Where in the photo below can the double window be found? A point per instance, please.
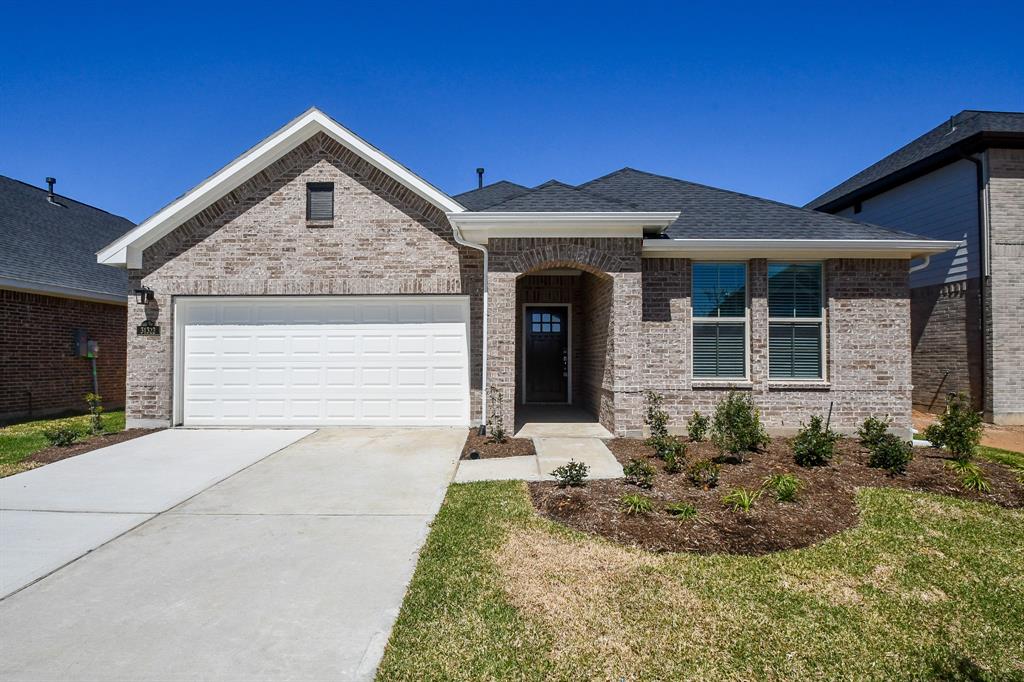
(719, 301)
(796, 321)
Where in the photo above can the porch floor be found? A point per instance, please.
(559, 421)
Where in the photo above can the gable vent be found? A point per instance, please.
(320, 201)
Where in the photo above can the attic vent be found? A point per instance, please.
(320, 201)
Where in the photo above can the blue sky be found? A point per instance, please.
(131, 105)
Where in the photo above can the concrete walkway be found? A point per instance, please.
(294, 568)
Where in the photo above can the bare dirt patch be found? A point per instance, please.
(488, 449)
(824, 506)
(55, 453)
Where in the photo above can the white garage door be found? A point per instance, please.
(311, 361)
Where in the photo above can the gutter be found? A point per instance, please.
(483, 341)
(983, 271)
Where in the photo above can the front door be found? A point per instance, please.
(546, 355)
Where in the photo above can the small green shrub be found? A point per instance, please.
(655, 416)
(814, 444)
(958, 429)
(639, 473)
(670, 449)
(737, 427)
(95, 402)
(675, 460)
(572, 475)
(697, 427)
(741, 499)
(891, 452)
(872, 430)
(495, 417)
(785, 486)
(63, 435)
(704, 473)
(635, 504)
(681, 510)
(971, 477)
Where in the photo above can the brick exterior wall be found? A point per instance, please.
(1005, 329)
(597, 391)
(40, 374)
(945, 331)
(255, 241)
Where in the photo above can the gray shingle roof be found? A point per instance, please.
(704, 212)
(958, 131)
(52, 245)
(479, 199)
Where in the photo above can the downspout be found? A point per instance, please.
(982, 264)
(483, 341)
(921, 266)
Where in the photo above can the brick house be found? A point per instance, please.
(316, 281)
(963, 180)
(53, 297)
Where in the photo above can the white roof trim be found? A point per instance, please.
(127, 250)
(479, 226)
(794, 248)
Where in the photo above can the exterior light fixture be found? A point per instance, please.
(143, 296)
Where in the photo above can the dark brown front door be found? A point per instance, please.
(547, 354)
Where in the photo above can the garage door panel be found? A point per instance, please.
(326, 361)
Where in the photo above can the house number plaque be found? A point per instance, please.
(148, 328)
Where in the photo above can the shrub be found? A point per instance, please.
(814, 444)
(741, 499)
(495, 416)
(970, 475)
(704, 473)
(655, 417)
(675, 459)
(63, 435)
(681, 510)
(639, 473)
(635, 504)
(785, 486)
(572, 474)
(670, 449)
(891, 452)
(697, 427)
(958, 429)
(95, 402)
(872, 431)
(737, 425)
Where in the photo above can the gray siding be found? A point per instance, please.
(942, 205)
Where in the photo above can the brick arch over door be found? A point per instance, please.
(594, 255)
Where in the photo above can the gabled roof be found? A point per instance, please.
(49, 248)
(965, 133)
(127, 251)
(479, 199)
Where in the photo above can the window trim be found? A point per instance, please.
(318, 187)
(745, 321)
(821, 320)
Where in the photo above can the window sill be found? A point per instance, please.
(721, 383)
(319, 223)
(799, 385)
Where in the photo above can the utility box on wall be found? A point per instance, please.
(83, 347)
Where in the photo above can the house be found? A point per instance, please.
(316, 281)
(54, 300)
(962, 180)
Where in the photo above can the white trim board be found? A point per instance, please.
(126, 251)
(789, 249)
(480, 226)
(58, 291)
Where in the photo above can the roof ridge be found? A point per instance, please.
(67, 198)
(490, 184)
(564, 185)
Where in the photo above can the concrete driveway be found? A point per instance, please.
(293, 568)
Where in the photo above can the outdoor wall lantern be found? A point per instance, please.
(143, 296)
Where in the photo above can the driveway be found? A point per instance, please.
(293, 568)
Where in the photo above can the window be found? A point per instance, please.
(546, 323)
(719, 302)
(796, 320)
(320, 201)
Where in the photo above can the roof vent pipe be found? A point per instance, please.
(479, 178)
(50, 182)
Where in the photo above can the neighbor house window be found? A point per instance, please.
(796, 321)
(320, 201)
(719, 302)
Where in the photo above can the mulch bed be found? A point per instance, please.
(56, 453)
(488, 449)
(824, 506)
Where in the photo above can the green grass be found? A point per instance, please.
(21, 440)
(925, 587)
(1007, 457)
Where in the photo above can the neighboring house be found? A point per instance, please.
(315, 281)
(54, 299)
(963, 180)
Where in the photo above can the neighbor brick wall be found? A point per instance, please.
(255, 241)
(1005, 332)
(38, 373)
(946, 343)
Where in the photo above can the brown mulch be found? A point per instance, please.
(824, 506)
(56, 453)
(512, 447)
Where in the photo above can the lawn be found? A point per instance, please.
(22, 440)
(925, 587)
